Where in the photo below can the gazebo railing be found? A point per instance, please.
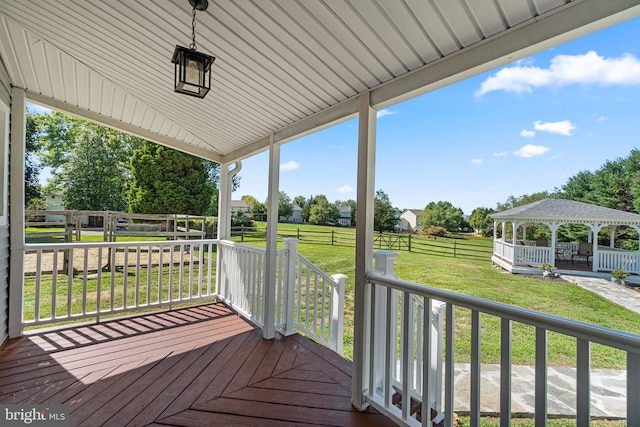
(612, 259)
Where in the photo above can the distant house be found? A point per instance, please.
(53, 202)
(409, 219)
(296, 216)
(239, 206)
(345, 215)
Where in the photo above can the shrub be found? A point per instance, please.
(436, 231)
(619, 274)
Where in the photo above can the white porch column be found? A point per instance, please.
(364, 245)
(224, 199)
(554, 241)
(16, 210)
(269, 330)
(612, 237)
(595, 264)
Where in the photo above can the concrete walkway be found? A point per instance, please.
(618, 294)
(608, 387)
(608, 391)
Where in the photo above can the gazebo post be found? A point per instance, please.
(612, 237)
(554, 237)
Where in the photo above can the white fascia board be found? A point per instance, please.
(100, 119)
(328, 117)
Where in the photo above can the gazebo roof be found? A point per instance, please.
(283, 68)
(567, 211)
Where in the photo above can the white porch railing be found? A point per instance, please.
(378, 385)
(307, 299)
(70, 281)
(611, 259)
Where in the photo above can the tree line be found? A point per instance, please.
(97, 168)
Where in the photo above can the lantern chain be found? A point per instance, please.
(193, 30)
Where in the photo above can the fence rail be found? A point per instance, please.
(387, 241)
(69, 281)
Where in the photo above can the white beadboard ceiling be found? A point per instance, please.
(283, 67)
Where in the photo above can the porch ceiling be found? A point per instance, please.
(283, 67)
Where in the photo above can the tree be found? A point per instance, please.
(442, 214)
(384, 214)
(92, 179)
(481, 220)
(285, 207)
(89, 163)
(306, 209)
(300, 201)
(168, 181)
(322, 212)
(32, 188)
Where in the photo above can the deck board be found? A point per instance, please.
(192, 366)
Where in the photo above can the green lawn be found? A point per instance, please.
(480, 279)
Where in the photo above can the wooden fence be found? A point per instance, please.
(388, 241)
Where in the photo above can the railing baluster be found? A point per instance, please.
(583, 385)
(541, 378)
(200, 267)
(505, 372)
(160, 271)
(54, 285)
(85, 271)
(137, 296)
(475, 369)
(181, 279)
(125, 277)
(209, 267)
(449, 366)
(633, 389)
(406, 396)
(112, 270)
(98, 285)
(427, 398)
(375, 335)
(36, 309)
(149, 268)
(70, 283)
(389, 347)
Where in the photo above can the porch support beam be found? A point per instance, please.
(269, 330)
(364, 244)
(224, 199)
(16, 210)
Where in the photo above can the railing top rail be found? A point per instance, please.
(73, 245)
(243, 246)
(610, 337)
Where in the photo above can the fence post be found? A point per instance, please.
(290, 245)
(409, 244)
(337, 312)
(332, 236)
(242, 233)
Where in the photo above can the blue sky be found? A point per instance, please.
(515, 130)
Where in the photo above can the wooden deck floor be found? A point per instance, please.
(189, 367)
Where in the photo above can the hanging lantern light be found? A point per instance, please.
(192, 75)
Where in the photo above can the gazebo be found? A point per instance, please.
(517, 254)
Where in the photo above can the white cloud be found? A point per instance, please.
(289, 166)
(477, 161)
(530, 150)
(527, 133)
(501, 154)
(589, 68)
(563, 128)
(603, 118)
(384, 112)
(345, 189)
